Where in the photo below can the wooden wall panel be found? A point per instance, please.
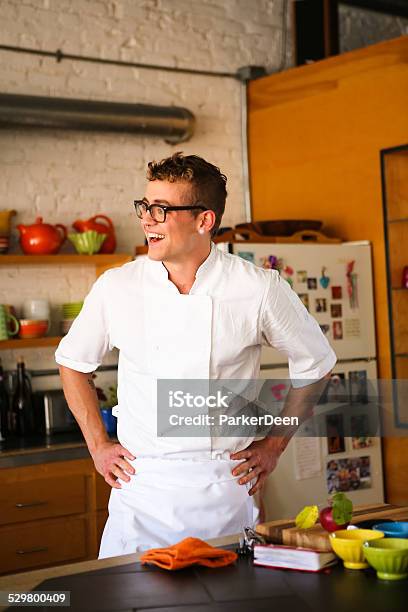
(402, 367)
(398, 239)
(396, 167)
(396, 453)
(400, 316)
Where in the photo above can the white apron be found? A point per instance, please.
(169, 499)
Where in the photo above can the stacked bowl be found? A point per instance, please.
(5, 229)
(348, 545)
(393, 529)
(70, 311)
(389, 557)
(4, 244)
(33, 328)
(360, 548)
(36, 317)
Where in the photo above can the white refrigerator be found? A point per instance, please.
(334, 281)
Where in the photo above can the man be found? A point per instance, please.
(187, 311)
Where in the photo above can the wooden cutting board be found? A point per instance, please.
(285, 532)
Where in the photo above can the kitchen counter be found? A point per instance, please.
(17, 452)
(28, 581)
(121, 583)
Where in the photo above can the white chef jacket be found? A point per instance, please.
(214, 332)
(184, 486)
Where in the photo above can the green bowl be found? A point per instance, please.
(87, 243)
(72, 308)
(70, 314)
(389, 556)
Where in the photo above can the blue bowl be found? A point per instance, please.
(109, 420)
(396, 529)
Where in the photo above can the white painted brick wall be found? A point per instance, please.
(68, 175)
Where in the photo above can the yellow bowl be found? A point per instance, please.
(348, 545)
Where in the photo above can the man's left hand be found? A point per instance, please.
(260, 459)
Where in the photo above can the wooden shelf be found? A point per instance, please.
(64, 259)
(101, 262)
(399, 288)
(21, 343)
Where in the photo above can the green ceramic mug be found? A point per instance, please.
(6, 318)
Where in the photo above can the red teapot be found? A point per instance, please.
(109, 244)
(42, 238)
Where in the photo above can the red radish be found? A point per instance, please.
(337, 515)
(327, 521)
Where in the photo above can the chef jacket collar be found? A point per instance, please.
(162, 274)
(207, 263)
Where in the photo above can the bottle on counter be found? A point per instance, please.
(4, 405)
(21, 415)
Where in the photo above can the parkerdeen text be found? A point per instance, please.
(223, 419)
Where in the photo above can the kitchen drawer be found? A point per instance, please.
(42, 543)
(103, 491)
(28, 500)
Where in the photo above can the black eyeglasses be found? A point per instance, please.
(158, 212)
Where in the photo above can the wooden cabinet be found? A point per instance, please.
(41, 543)
(51, 513)
(54, 512)
(102, 491)
(39, 498)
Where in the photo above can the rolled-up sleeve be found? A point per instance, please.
(87, 341)
(287, 326)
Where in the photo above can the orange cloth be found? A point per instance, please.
(189, 551)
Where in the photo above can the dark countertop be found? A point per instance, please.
(16, 452)
(239, 587)
(120, 584)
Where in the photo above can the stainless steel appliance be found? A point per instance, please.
(52, 414)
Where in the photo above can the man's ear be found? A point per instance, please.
(207, 220)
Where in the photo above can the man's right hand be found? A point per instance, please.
(110, 462)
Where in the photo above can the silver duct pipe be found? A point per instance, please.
(173, 123)
(245, 158)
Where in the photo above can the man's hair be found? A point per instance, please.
(207, 183)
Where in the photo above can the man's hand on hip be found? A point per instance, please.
(260, 459)
(110, 461)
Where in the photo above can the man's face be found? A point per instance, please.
(179, 230)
